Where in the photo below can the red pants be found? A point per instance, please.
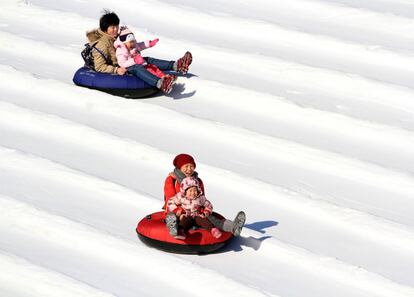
(154, 70)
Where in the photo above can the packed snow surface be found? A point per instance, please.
(300, 113)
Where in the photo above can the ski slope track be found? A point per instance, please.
(299, 113)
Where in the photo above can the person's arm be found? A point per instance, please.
(201, 186)
(124, 60)
(169, 187)
(174, 205)
(146, 44)
(207, 207)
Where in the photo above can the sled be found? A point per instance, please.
(127, 86)
(153, 231)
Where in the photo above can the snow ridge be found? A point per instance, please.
(300, 113)
(38, 281)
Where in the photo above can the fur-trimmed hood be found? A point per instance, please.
(96, 34)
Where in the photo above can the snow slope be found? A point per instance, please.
(300, 113)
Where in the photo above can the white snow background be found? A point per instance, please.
(299, 112)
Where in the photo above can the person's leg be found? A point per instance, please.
(155, 70)
(223, 224)
(203, 222)
(186, 223)
(206, 224)
(234, 227)
(161, 64)
(144, 74)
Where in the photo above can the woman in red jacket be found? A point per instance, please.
(184, 166)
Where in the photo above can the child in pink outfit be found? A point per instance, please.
(128, 54)
(191, 208)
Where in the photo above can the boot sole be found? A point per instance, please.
(168, 89)
(187, 60)
(239, 223)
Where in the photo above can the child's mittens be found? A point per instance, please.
(153, 42)
(138, 59)
(204, 214)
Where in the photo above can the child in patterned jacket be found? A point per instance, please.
(191, 208)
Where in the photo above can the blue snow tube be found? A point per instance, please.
(127, 86)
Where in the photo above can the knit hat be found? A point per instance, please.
(189, 182)
(183, 159)
(126, 35)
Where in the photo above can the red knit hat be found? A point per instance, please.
(183, 159)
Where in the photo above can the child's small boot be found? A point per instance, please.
(165, 84)
(172, 225)
(183, 63)
(215, 232)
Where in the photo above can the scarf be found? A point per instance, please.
(180, 175)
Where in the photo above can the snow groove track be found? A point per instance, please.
(63, 180)
(309, 165)
(268, 111)
(401, 8)
(275, 41)
(38, 281)
(322, 18)
(62, 233)
(301, 113)
(324, 89)
(59, 147)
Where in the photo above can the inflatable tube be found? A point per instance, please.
(127, 86)
(153, 232)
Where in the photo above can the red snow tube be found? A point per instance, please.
(153, 232)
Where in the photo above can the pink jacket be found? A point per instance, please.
(190, 207)
(125, 57)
